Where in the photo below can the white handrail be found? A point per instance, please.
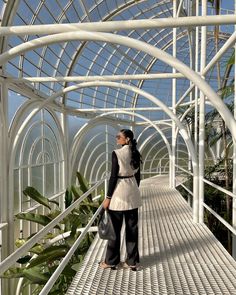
(232, 229)
(191, 193)
(12, 258)
(46, 289)
(220, 188)
(188, 172)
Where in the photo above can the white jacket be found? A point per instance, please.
(126, 195)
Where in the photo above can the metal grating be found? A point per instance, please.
(177, 255)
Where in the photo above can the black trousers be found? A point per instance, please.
(131, 235)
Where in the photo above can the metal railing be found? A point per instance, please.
(12, 258)
(213, 212)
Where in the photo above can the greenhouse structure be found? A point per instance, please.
(73, 74)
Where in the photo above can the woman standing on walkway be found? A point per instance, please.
(123, 199)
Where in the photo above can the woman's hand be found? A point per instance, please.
(106, 203)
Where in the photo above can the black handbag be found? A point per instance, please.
(105, 226)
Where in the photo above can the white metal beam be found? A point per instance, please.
(96, 78)
(112, 26)
(111, 38)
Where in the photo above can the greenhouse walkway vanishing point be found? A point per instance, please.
(178, 256)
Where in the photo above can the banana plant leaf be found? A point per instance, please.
(37, 249)
(13, 272)
(231, 60)
(36, 276)
(83, 182)
(76, 266)
(54, 202)
(54, 214)
(68, 198)
(75, 224)
(35, 195)
(49, 255)
(24, 259)
(84, 186)
(38, 218)
(77, 192)
(68, 271)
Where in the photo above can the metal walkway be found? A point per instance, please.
(178, 256)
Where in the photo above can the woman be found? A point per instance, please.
(123, 199)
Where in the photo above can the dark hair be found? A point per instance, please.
(135, 154)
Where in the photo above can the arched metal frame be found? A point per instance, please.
(172, 61)
(98, 118)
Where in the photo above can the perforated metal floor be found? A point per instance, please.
(178, 256)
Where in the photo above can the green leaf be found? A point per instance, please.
(13, 272)
(35, 195)
(54, 202)
(35, 275)
(76, 192)
(84, 185)
(38, 218)
(231, 60)
(49, 255)
(53, 214)
(24, 259)
(75, 223)
(37, 249)
(77, 266)
(69, 271)
(68, 198)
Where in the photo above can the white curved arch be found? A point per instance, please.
(139, 45)
(85, 149)
(94, 121)
(95, 162)
(149, 138)
(90, 156)
(79, 136)
(146, 156)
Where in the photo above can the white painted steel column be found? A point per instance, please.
(234, 163)
(202, 119)
(196, 88)
(66, 163)
(173, 140)
(7, 197)
(107, 160)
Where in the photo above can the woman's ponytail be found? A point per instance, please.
(135, 155)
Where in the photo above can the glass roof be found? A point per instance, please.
(98, 58)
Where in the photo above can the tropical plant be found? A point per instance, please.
(44, 257)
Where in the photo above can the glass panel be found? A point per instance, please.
(49, 179)
(37, 178)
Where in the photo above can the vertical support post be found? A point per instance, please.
(65, 181)
(234, 162)
(202, 118)
(107, 160)
(173, 150)
(196, 92)
(6, 195)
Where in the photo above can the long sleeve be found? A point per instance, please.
(137, 176)
(114, 175)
